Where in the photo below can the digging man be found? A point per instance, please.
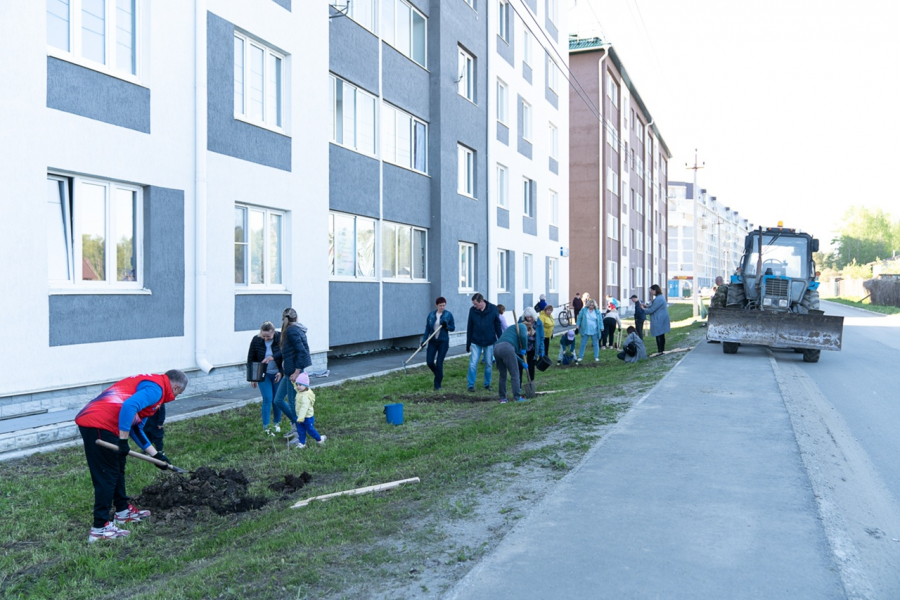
(113, 416)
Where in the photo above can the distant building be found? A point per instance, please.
(716, 245)
(618, 170)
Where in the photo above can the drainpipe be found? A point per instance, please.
(200, 226)
(602, 241)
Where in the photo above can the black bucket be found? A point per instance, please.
(256, 371)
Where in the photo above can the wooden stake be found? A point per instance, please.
(358, 491)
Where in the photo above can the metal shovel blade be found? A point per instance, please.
(775, 329)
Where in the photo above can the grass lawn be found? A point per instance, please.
(866, 304)
(464, 447)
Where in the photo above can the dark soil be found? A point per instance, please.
(448, 397)
(291, 483)
(223, 492)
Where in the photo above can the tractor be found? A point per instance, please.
(773, 298)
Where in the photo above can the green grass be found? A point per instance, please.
(326, 549)
(867, 305)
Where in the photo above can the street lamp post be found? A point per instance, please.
(695, 291)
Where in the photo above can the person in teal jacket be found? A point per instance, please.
(510, 351)
(590, 324)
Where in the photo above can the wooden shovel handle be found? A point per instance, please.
(149, 459)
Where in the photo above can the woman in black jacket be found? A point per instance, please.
(295, 357)
(266, 348)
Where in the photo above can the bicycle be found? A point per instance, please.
(566, 317)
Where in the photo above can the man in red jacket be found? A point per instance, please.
(113, 416)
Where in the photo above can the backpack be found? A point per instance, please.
(631, 349)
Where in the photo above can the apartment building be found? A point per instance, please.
(166, 165)
(618, 172)
(709, 249)
(528, 147)
(408, 199)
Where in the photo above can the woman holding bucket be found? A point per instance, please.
(437, 327)
(265, 348)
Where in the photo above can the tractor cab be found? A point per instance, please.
(777, 268)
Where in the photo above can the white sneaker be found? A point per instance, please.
(278, 429)
(295, 443)
(268, 432)
(131, 515)
(107, 532)
(321, 442)
(596, 360)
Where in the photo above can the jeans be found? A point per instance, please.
(305, 426)
(153, 430)
(288, 407)
(596, 343)
(435, 358)
(508, 362)
(267, 389)
(474, 357)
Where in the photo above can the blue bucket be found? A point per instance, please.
(394, 414)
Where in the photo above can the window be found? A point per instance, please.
(640, 204)
(404, 139)
(631, 240)
(503, 21)
(639, 240)
(612, 89)
(403, 251)
(554, 208)
(361, 11)
(258, 240)
(552, 75)
(465, 83)
(554, 142)
(632, 279)
(502, 102)
(466, 267)
(633, 205)
(257, 82)
(649, 244)
(528, 197)
(527, 272)
(612, 180)
(552, 275)
(625, 239)
(612, 272)
(466, 182)
(94, 233)
(526, 120)
(639, 282)
(502, 270)
(612, 225)
(404, 28)
(502, 186)
(526, 46)
(351, 246)
(99, 33)
(352, 116)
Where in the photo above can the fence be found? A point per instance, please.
(844, 288)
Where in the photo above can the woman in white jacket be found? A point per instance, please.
(610, 321)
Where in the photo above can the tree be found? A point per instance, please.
(866, 236)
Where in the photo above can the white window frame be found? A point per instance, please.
(553, 10)
(640, 204)
(612, 89)
(411, 230)
(502, 271)
(465, 85)
(357, 91)
(612, 272)
(625, 239)
(554, 208)
(471, 3)
(356, 276)
(502, 186)
(75, 40)
(248, 258)
(391, 115)
(271, 114)
(612, 180)
(527, 272)
(466, 262)
(639, 272)
(526, 45)
(72, 226)
(638, 240)
(554, 142)
(502, 102)
(528, 201)
(552, 275)
(503, 20)
(351, 10)
(552, 75)
(465, 184)
(390, 13)
(526, 121)
(612, 225)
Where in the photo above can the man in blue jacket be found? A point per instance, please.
(640, 316)
(482, 331)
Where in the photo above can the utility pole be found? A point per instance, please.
(695, 288)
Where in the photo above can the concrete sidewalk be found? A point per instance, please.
(698, 492)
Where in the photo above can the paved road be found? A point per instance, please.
(737, 477)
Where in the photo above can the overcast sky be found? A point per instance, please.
(792, 104)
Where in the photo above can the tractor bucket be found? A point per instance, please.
(775, 329)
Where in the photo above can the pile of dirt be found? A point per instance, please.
(223, 492)
(448, 397)
(291, 483)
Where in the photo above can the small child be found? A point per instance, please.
(567, 348)
(306, 400)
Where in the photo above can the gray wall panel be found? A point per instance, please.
(552, 299)
(406, 305)
(554, 233)
(523, 146)
(75, 89)
(528, 300)
(551, 27)
(252, 310)
(407, 196)
(284, 3)
(526, 73)
(345, 324)
(502, 218)
(85, 319)
(506, 49)
(529, 225)
(226, 135)
(532, 4)
(405, 83)
(502, 133)
(352, 182)
(554, 166)
(353, 52)
(549, 94)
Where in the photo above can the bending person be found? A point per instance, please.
(510, 352)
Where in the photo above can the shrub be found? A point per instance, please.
(885, 292)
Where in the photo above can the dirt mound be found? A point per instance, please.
(291, 483)
(223, 492)
(448, 397)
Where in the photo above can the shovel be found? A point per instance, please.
(527, 388)
(149, 459)
(419, 349)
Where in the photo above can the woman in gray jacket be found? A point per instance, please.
(658, 310)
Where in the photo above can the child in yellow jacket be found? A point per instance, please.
(306, 400)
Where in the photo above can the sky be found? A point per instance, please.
(791, 104)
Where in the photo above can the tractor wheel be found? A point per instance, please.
(730, 347)
(810, 301)
(811, 356)
(736, 295)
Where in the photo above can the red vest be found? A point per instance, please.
(103, 411)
